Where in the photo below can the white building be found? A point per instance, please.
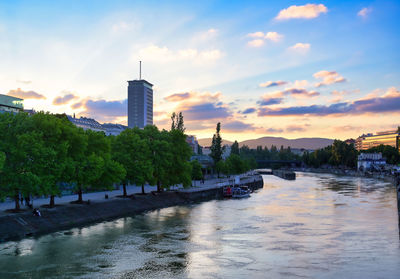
(370, 161)
(113, 129)
(86, 123)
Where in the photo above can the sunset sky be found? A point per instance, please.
(262, 68)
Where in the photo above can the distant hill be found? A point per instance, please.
(207, 142)
(306, 143)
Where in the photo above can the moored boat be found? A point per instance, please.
(239, 192)
(227, 191)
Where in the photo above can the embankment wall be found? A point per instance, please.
(16, 226)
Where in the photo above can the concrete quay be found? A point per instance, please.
(14, 226)
(285, 174)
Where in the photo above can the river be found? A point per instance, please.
(318, 226)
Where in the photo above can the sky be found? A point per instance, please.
(262, 68)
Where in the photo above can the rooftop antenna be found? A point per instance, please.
(140, 70)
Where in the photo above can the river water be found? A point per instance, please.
(318, 226)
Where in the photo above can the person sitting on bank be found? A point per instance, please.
(36, 212)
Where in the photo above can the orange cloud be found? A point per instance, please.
(301, 48)
(64, 100)
(272, 83)
(364, 12)
(178, 97)
(328, 77)
(256, 43)
(307, 11)
(260, 38)
(19, 93)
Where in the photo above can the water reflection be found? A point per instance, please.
(319, 226)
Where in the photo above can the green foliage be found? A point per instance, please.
(196, 170)
(337, 154)
(180, 168)
(39, 153)
(22, 148)
(389, 152)
(2, 160)
(216, 145)
(234, 164)
(161, 155)
(132, 151)
(235, 148)
(221, 167)
(177, 122)
(272, 154)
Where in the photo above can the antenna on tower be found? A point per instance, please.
(140, 70)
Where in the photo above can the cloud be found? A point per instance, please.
(249, 110)
(301, 93)
(347, 128)
(19, 93)
(270, 101)
(258, 34)
(256, 43)
(274, 131)
(392, 92)
(237, 126)
(103, 110)
(364, 12)
(300, 83)
(203, 106)
(301, 48)
(77, 105)
(178, 97)
(273, 36)
(277, 97)
(165, 55)
(390, 102)
(307, 11)
(295, 128)
(261, 37)
(205, 111)
(338, 95)
(64, 100)
(207, 35)
(24, 81)
(272, 83)
(328, 77)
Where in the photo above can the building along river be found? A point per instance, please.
(317, 226)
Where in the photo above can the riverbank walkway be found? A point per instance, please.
(197, 185)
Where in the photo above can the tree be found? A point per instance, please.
(391, 153)
(237, 164)
(220, 167)
(197, 174)
(161, 155)
(90, 169)
(177, 122)
(180, 169)
(2, 160)
(22, 148)
(235, 148)
(132, 150)
(216, 147)
(53, 163)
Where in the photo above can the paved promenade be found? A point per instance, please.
(99, 196)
